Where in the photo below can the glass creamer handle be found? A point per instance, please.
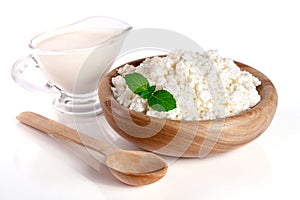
(26, 72)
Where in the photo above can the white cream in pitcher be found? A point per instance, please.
(63, 57)
(76, 39)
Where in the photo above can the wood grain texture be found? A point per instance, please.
(190, 138)
(137, 168)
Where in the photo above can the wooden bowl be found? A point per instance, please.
(190, 138)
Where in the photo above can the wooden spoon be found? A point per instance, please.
(134, 168)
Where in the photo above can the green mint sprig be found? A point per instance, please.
(160, 100)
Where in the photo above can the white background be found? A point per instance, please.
(262, 34)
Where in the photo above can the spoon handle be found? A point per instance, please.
(59, 130)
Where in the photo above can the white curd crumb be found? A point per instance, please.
(205, 85)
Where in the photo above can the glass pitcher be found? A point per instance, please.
(72, 59)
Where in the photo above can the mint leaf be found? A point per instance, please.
(148, 93)
(137, 83)
(152, 89)
(162, 100)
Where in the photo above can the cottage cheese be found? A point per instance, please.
(205, 85)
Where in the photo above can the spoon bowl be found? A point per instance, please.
(144, 168)
(134, 168)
